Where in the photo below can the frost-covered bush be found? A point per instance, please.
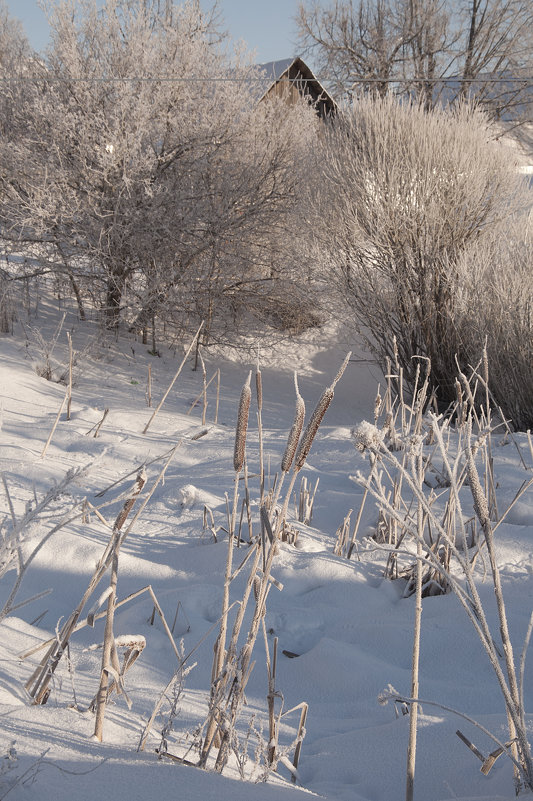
(498, 276)
(406, 193)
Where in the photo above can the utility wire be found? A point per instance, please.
(528, 80)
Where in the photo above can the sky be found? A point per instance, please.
(266, 27)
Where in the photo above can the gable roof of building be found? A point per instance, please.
(296, 72)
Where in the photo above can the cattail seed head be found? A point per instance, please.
(316, 418)
(296, 430)
(259, 388)
(480, 502)
(342, 368)
(485, 363)
(312, 427)
(242, 425)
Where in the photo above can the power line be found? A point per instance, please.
(457, 80)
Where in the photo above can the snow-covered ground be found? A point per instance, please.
(350, 629)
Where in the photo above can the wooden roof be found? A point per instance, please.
(292, 77)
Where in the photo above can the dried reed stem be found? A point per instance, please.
(220, 652)
(342, 535)
(259, 393)
(56, 421)
(242, 669)
(109, 656)
(99, 424)
(204, 388)
(516, 728)
(218, 396)
(198, 397)
(292, 442)
(271, 697)
(69, 402)
(418, 471)
(180, 368)
(300, 737)
(357, 524)
(44, 672)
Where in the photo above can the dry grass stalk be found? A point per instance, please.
(224, 666)
(209, 525)
(530, 443)
(94, 509)
(259, 394)
(273, 723)
(96, 428)
(69, 383)
(247, 504)
(200, 396)
(240, 666)
(14, 539)
(204, 388)
(418, 470)
(516, 732)
(9, 500)
(357, 524)
(133, 472)
(306, 502)
(342, 535)
(300, 737)
(109, 654)
(183, 659)
(134, 645)
(56, 421)
(289, 534)
(217, 397)
(38, 682)
(449, 538)
(241, 518)
(230, 676)
(93, 615)
(217, 680)
(180, 368)
(43, 674)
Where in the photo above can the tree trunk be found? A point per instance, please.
(115, 288)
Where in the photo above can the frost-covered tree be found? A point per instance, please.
(15, 54)
(15, 60)
(150, 173)
(428, 48)
(251, 229)
(15, 64)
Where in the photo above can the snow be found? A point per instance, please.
(351, 629)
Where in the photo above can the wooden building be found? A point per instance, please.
(291, 79)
